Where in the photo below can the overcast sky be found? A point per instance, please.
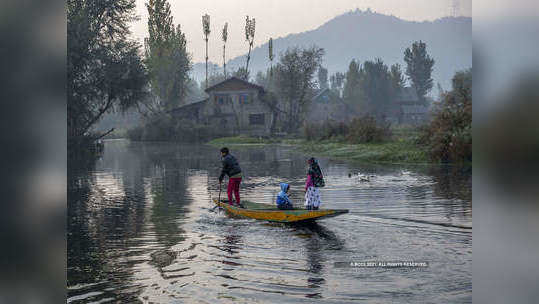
(277, 18)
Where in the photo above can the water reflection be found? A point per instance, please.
(321, 239)
(99, 216)
(140, 229)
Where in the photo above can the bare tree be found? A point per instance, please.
(337, 81)
(250, 25)
(295, 82)
(271, 55)
(272, 101)
(237, 110)
(322, 78)
(270, 98)
(225, 36)
(206, 29)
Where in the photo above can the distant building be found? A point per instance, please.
(408, 109)
(328, 105)
(192, 111)
(407, 96)
(234, 106)
(413, 114)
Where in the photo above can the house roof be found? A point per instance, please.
(416, 109)
(189, 106)
(407, 94)
(322, 92)
(348, 108)
(234, 79)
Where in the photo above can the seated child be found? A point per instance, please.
(283, 202)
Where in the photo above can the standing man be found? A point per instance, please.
(231, 167)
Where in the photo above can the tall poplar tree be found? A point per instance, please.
(167, 59)
(419, 68)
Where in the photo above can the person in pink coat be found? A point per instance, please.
(314, 181)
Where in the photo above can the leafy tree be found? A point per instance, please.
(214, 79)
(449, 134)
(167, 59)
(194, 91)
(271, 99)
(265, 80)
(261, 79)
(242, 73)
(352, 91)
(369, 88)
(294, 82)
(322, 78)
(419, 68)
(337, 81)
(397, 79)
(376, 86)
(104, 70)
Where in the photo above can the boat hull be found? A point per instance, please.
(254, 211)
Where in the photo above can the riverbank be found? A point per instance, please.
(401, 148)
(391, 152)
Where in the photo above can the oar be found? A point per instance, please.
(218, 199)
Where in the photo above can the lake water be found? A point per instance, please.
(141, 230)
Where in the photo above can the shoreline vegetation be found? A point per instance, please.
(400, 148)
(445, 138)
(110, 74)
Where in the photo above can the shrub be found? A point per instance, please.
(448, 137)
(368, 130)
(166, 128)
(135, 133)
(326, 130)
(359, 130)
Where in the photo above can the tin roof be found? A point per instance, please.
(407, 94)
(415, 109)
(234, 79)
(189, 106)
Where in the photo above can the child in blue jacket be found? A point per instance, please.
(283, 202)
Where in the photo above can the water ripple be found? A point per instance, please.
(141, 229)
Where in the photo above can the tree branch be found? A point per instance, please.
(98, 115)
(105, 134)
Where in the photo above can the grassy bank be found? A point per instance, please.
(401, 148)
(398, 151)
(243, 140)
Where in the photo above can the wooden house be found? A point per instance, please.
(235, 106)
(328, 105)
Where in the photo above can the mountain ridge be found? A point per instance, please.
(366, 35)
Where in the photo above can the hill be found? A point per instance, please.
(365, 35)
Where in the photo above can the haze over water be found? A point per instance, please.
(140, 229)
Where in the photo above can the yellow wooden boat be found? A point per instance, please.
(272, 213)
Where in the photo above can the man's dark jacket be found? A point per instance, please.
(230, 166)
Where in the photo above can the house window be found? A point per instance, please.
(221, 98)
(256, 119)
(244, 98)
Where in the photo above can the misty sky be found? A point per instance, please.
(277, 18)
